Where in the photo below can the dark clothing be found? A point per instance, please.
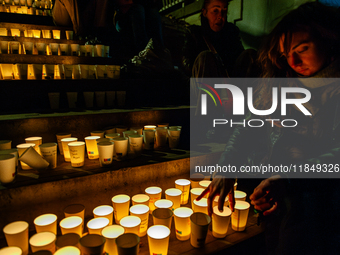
(227, 43)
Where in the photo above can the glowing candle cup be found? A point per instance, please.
(49, 153)
(32, 158)
(66, 151)
(105, 151)
(194, 193)
(195, 179)
(7, 168)
(184, 186)
(158, 239)
(199, 229)
(59, 137)
(104, 211)
(164, 203)
(43, 241)
(240, 195)
(36, 140)
(121, 204)
(21, 149)
(68, 250)
(5, 144)
(72, 224)
(77, 153)
(155, 193)
(96, 225)
(111, 233)
(162, 216)
(141, 211)
(174, 195)
(121, 148)
(201, 205)
(131, 224)
(16, 234)
(220, 222)
(149, 139)
(140, 199)
(239, 217)
(46, 223)
(12, 250)
(182, 223)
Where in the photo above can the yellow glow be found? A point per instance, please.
(96, 225)
(164, 203)
(240, 195)
(201, 205)
(182, 223)
(91, 146)
(140, 199)
(158, 239)
(68, 250)
(10, 251)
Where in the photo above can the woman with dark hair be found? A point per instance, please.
(301, 215)
(212, 48)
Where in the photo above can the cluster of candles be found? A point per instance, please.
(115, 143)
(53, 48)
(33, 7)
(191, 221)
(57, 72)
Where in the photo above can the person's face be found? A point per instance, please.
(305, 55)
(216, 13)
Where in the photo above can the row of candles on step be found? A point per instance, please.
(57, 72)
(116, 143)
(191, 221)
(32, 7)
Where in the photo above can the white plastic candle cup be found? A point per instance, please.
(91, 146)
(121, 148)
(110, 98)
(199, 229)
(15, 32)
(174, 195)
(82, 50)
(5, 144)
(64, 143)
(161, 136)
(4, 47)
(64, 49)
(46, 223)
(121, 204)
(164, 203)
(12, 250)
(173, 135)
(36, 140)
(121, 96)
(201, 205)
(111, 233)
(84, 69)
(49, 153)
(77, 153)
(48, 72)
(163, 125)
(141, 211)
(194, 193)
(138, 129)
(68, 250)
(99, 50)
(127, 133)
(131, 224)
(220, 222)
(239, 217)
(140, 199)
(41, 47)
(88, 96)
(135, 145)
(28, 46)
(16, 234)
(72, 224)
(158, 239)
(182, 223)
(89, 50)
(56, 34)
(104, 211)
(215, 202)
(121, 129)
(76, 72)
(106, 51)
(103, 140)
(15, 47)
(46, 34)
(75, 210)
(59, 72)
(162, 216)
(99, 133)
(184, 186)
(240, 195)
(59, 137)
(20, 71)
(195, 179)
(155, 193)
(32, 158)
(68, 71)
(100, 98)
(149, 139)
(7, 168)
(70, 239)
(92, 244)
(75, 49)
(105, 150)
(3, 31)
(128, 244)
(101, 70)
(204, 184)
(13, 152)
(43, 241)
(28, 33)
(54, 48)
(112, 135)
(69, 35)
(36, 33)
(96, 225)
(21, 149)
